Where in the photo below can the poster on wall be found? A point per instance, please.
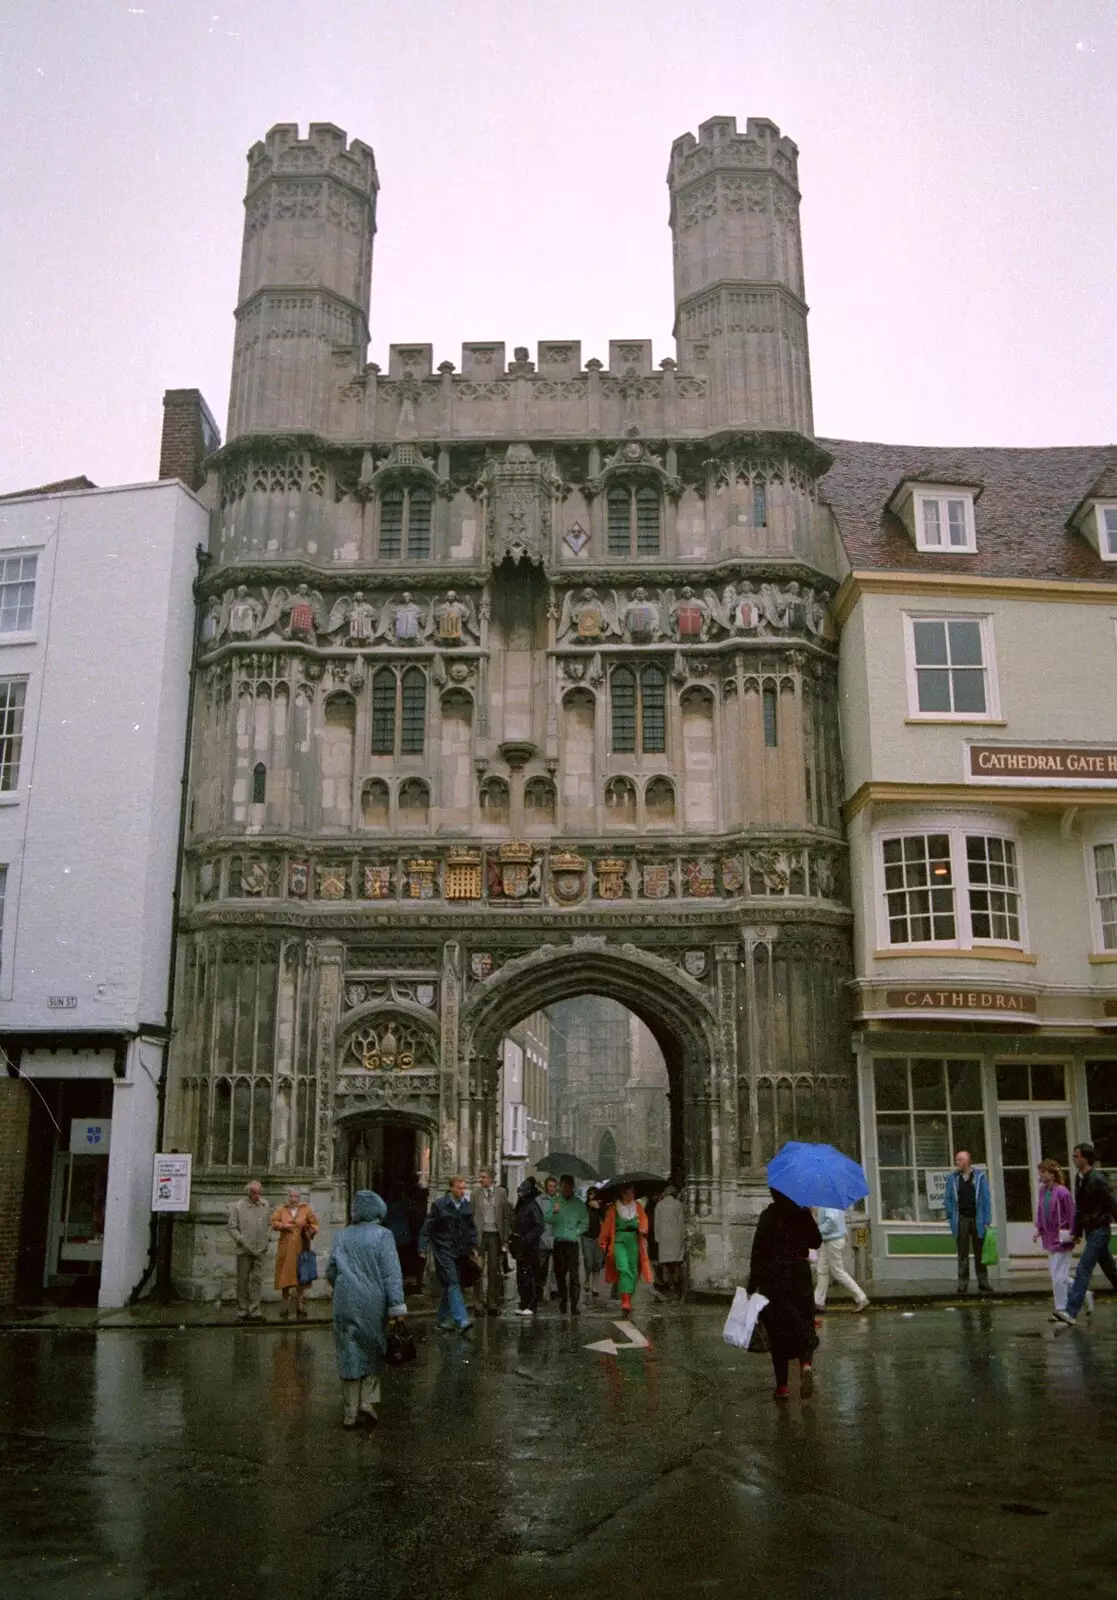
(935, 1183)
(170, 1188)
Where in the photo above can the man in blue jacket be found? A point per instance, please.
(969, 1210)
(451, 1234)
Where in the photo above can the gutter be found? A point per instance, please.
(203, 558)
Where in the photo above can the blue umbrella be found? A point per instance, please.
(816, 1175)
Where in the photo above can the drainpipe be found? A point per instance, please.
(162, 1224)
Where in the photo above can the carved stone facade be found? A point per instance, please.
(513, 685)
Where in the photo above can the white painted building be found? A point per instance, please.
(96, 628)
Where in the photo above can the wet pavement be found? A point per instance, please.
(946, 1452)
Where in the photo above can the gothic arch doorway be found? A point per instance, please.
(673, 1006)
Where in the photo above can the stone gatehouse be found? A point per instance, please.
(515, 682)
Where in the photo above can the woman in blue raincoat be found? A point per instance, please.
(365, 1275)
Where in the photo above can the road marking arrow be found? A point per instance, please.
(633, 1340)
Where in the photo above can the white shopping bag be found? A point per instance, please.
(740, 1324)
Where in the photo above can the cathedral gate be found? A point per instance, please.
(514, 683)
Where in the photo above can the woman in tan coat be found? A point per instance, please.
(296, 1226)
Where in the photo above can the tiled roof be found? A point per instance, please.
(1026, 499)
(63, 486)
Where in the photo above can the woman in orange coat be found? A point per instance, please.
(624, 1240)
(296, 1226)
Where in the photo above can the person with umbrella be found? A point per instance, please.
(800, 1176)
(624, 1239)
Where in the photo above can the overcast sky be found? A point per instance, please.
(957, 162)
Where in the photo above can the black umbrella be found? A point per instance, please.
(561, 1163)
(644, 1183)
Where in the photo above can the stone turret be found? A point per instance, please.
(740, 315)
(306, 270)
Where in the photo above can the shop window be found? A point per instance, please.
(926, 1111)
(1031, 1080)
(1101, 1101)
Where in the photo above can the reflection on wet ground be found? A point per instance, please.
(945, 1453)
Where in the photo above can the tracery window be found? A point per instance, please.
(405, 523)
(399, 712)
(633, 519)
(638, 701)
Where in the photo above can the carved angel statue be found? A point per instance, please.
(722, 609)
(690, 616)
(238, 615)
(747, 613)
(643, 616)
(355, 615)
(454, 618)
(301, 612)
(776, 606)
(816, 615)
(402, 621)
(589, 617)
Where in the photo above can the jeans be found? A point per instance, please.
(451, 1308)
(1095, 1253)
(568, 1255)
(969, 1239)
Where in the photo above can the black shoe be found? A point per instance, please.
(575, 1311)
(986, 1288)
(562, 1308)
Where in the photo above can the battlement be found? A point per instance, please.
(325, 152)
(485, 361)
(719, 146)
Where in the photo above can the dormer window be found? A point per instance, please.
(944, 522)
(1107, 532)
(938, 516)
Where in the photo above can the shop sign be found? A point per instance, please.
(936, 1188)
(1036, 763)
(1001, 1002)
(170, 1184)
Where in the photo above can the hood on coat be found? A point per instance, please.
(528, 1189)
(368, 1206)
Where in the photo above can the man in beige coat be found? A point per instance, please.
(250, 1226)
(492, 1216)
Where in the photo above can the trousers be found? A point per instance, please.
(493, 1279)
(970, 1240)
(831, 1264)
(568, 1256)
(1059, 1261)
(528, 1285)
(250, 1283)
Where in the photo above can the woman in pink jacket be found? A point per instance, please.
(1055, 1227)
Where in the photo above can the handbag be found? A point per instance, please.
(1066, 1236)
(989, 1253)
(742, 1325)
(400, 1349)
(306, 1267)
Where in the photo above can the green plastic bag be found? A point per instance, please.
(989, 1255)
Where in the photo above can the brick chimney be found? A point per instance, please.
(189, 435)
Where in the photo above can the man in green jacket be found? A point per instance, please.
(571, 1220)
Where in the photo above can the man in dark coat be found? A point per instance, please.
(450, 1233)
(1093, 1213)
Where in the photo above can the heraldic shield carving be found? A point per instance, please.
(568, 876)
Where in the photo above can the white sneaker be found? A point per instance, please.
(524, 1311)
(1089, 1302)
(862, 1305)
